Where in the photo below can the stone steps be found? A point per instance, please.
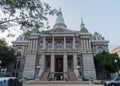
(56, 82)
(44, 76)
(72, 76)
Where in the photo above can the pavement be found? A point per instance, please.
(39, 83)
(62, 85)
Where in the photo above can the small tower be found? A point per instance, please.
(83, 29)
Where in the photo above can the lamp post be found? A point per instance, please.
(116, 67)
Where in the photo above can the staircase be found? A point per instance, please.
(45, 76)
(72, 76)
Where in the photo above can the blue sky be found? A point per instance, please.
(102, 16)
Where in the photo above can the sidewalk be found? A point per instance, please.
(58, 83)
(62, 85)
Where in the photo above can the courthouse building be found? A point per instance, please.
(58, 53)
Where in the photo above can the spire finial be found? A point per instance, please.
(83, 29)
(59, 9)
(59, 12)
(82, 21)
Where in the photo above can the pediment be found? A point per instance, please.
(59, 30)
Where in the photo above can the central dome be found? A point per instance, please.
(59, 23)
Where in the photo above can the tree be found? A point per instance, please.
(7, 56)
(105, 63)
(29, 14)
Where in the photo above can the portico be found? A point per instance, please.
(59, 65)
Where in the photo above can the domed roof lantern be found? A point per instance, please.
(59, 23)
(83, 29)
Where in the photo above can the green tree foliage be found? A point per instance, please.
(105, 62)
(7, 56)
(30, 14)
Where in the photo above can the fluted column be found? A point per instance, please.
(75, 61)
(52, 66)
(53, 42)
(64, 43)
(73, 42)
(65, 63)
(44, 43)
(42, 62)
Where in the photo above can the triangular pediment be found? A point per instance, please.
(61, 30)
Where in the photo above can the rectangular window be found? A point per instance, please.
(13, 74)
(15, 64)
(16, 74)
(18, 65)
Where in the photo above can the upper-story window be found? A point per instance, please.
(68, 45)
(19, 52)
(49, 45)
(41, 45)
(77, 44)
(59, 45)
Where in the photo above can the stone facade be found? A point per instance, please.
(116, 51)
(58, 53)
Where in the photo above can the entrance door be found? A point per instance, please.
(59, 67)
(58, 64)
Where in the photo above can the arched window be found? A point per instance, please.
(100, 49)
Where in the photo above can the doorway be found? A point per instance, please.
(59, 67)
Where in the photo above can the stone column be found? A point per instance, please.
(52, 66)
(29, 45)
(75, 61)
(42, 62)
(64, 43)
(65, 63)
(44, 43)
(89, 45)
(53, 42)
(73, 43)
(42, 65)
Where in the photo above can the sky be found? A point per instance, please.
(102, 16)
